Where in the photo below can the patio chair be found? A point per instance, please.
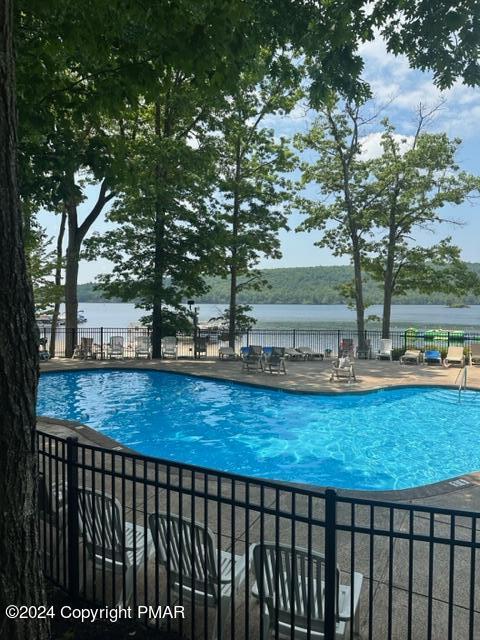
(169, 347)
(432, 356)
(201, 344)
(346, 348)
(291, 587)
(143, 347)
(190, 554)
(364, 353)
(111, 542)
(309, 353)
(42, 352)
(115, 347)
(84, 350)
(227, 353)
(343, 370)
(275, 361)
(294, 354)
(411, 356)
(455, 355)
(253, 358)
(475, 353)
(385, 350)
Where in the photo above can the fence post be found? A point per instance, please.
(248, 337)
(294, 338)
(330, 564)
(72, 517)
(101, 343)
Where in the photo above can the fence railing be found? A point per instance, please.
(320, 340)
(244, 558)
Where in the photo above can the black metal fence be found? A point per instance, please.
(243, 558)
(320, 340)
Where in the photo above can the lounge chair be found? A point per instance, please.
(85, 350)
(309, 353)
(275, 361)
(296, 596)
(432, 356)
(169, 347)
(253, 358)
(385, 350)
(227, 353)
(109, 540)
(343, 370)
(411, 356)
(294, 354)
(195, 566)
(455, 355)
(143, 347)
(475, 353)
(364, 353)
(346, 348)
(42, 352)
(115, 347)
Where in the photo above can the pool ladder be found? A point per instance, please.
(462, 381)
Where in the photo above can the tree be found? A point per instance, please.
(342, 176)
(165, 237)
(412, 187)
(20, 573)
(254, 191)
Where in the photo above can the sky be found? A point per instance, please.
(399, 90)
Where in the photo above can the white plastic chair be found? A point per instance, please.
(189, 552)
(142, 347)
(105, 533)
(227, 353)
(293, 580)
(169, 347)
(386, 348)
(115, 347)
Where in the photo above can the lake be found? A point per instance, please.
(118, 314)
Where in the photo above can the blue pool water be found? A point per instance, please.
(390, 439)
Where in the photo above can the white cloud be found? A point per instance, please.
(372, 144)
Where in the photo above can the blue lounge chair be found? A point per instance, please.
(432, 357)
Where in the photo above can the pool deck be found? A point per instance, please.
(458, 493)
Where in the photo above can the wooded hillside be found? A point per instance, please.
(303, 285)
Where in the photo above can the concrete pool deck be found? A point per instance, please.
(382, 583)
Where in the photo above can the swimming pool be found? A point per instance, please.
(389, 439)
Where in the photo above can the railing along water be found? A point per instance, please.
(248, 558)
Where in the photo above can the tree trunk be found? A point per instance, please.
(387, 309)
(234, 267)
(359, 304)
(58, 282)
(158, 268)
(21, 579)
(71, 283)
(389, 277)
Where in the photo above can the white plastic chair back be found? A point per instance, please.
(100, 522)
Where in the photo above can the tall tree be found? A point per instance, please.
(20, 572)
(165, 236)
(344, 211)
(414, 180)
(254, 191)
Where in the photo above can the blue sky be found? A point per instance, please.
(402, 89)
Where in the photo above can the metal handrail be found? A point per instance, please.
(462, 374)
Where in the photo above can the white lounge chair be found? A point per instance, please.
(294, 354)
(169, 347)
(454, 355)
(297, 595)
(412, 356)
(385, 350)
(143, 347)
(475, 353)
(115, 347)
(343, 370)
(309, 353)
(190, 554)
(105, 533)
(85, 350)
(227, 353)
